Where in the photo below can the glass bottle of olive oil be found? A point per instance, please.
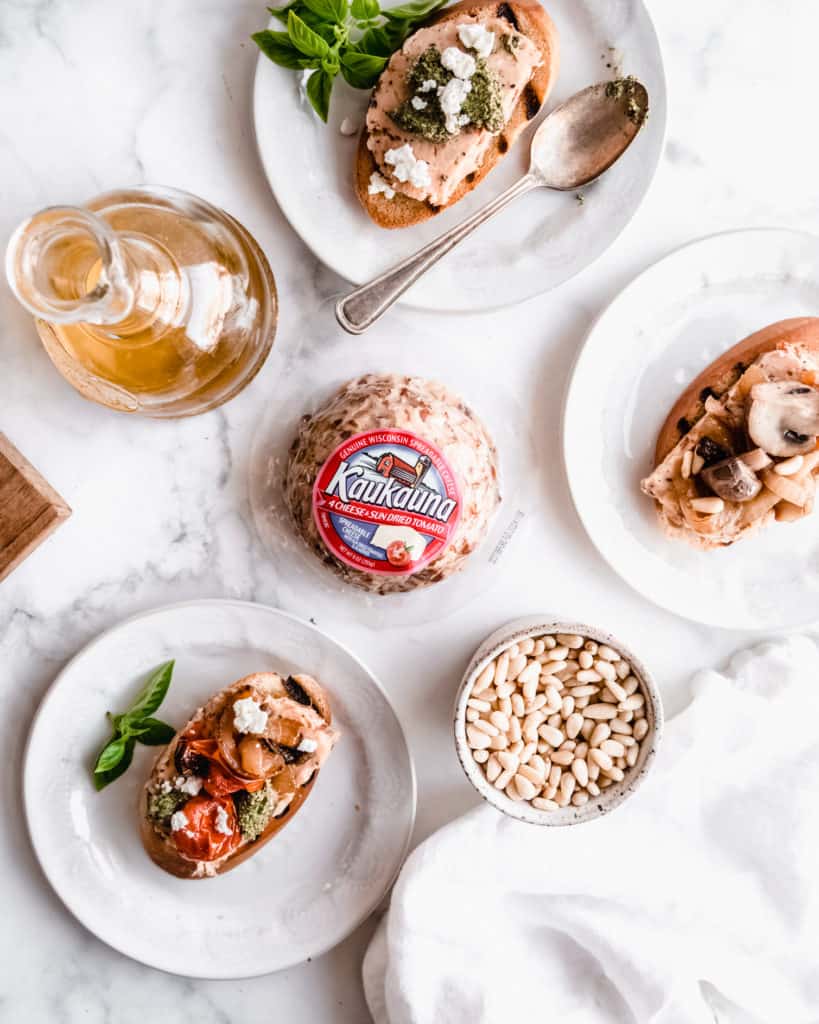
(147, 300)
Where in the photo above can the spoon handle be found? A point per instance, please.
(362, 307)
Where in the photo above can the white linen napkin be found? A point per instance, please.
(697, 900)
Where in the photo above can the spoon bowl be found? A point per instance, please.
(576, 143)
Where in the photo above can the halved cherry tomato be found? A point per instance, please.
(220, 779)
(200, 839)
(398, 554)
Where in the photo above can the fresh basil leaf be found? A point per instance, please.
(111, 754)
(329, 10)
(364, 10)
(277, 46)
(104, 777)
(361, 69)
(375, 41)
(150, 696)
(310, 43)
(413, 11)
(319, 87)
(153, 733)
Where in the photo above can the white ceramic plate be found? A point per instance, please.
(656, 336)
(302, 893)
(543, 239)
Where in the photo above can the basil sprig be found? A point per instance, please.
(354, 38)
(136, 725)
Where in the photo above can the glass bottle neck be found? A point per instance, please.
(68, 265)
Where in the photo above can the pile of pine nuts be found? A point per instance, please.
(556, 720)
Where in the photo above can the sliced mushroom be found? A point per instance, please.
(732, 479)
(784, 418)
(756, 459)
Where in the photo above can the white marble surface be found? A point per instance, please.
(95, 94)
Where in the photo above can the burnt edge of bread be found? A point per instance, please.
(532, 101)
(506, 12)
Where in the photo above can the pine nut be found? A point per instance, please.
(527, 752)
(600, 711)
(537, 703)
(594, 769)
(574, 723)
(505, 705)
(555, 721)
(593, 789)
(587, 728)
(636, 700)
(568, 707)
(543, 747)
(603, 761)
(476, 739)
(616, 690)
(531, 672)
(555, 774)
(550, 641)
(513, 651)
(562, 800)
(605, 782)
(501, 669)
(479, 705)
(687, 459)
(567, 745)
(558, 653)
(697, 463)
(623, 668)
(526, 646)
(789, 466)
(567, 784)
(481, 756)
(493, 767)
(484, 679)
(581, 750)
(708, 506)
(512, 791)
(607, 697)
(588, 676)
(537, 764)
(532, 776)
(499, 720)
(516, 747)
(579, 799)
(631, 685)
(553, 699)
(612, 748)
(518, 706)
(614, 773)
(627, 741)
(514, 730)
(549, 792)
(585, 660)
(632, 753)
(505, 689)
(580, 770)
(508, 761)
(582, 702)
(525, 787)
(486, 727)
(640, 729)
(539, 647)
(516, 666)
(584, 691)
(503, 780)
(472, 715)
(590, 646)
(606, 670)
(553, 736)
(601, 732)
(570, 640)
(619, 726)
(498, 742)
(563, 757)
(545, 805)
(620, 762)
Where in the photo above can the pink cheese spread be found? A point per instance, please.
(451, 161)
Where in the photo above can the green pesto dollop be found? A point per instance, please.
(253, 811)
(482, 105)
(161, 806)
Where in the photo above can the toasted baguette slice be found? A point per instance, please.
(299, 694)
(727, 381)
(531, 20)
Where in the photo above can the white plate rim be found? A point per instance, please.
(623, 295)
(160, 610)
(355, 280)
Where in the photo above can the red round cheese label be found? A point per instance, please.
(386, 502)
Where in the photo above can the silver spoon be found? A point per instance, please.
(576, 143)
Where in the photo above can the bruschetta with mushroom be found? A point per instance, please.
(235, 774)
(739, 450)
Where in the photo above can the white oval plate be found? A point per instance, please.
(304, 892)
(542, 240)
(654, 338)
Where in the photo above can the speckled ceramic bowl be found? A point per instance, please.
(537, 626)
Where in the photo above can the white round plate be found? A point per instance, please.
(302, 893)
(654, 338)
(542, 240)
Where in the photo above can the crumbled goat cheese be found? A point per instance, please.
(476, 37)
(418, 103)
(407, 168)
(459, 63)
(428, 86)
(379, 184)
(348, 126)
(307, 746)
(451, 97)
(165, 786)
(222, 823)
(178, 821)
(248, 716)
(191, 785)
